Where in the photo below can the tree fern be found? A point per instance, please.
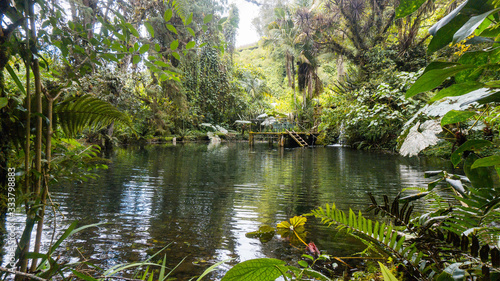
(77, 113)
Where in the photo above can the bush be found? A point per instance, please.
(371, 115)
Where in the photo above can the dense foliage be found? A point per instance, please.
(117, 72)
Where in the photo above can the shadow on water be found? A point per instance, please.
(201, 200)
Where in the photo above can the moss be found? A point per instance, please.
(442, 150)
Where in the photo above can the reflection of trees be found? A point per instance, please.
(205, 200)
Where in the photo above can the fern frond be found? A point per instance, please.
(179, 7)
(384, 236)
(77, 113)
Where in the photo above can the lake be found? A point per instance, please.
(201, 200)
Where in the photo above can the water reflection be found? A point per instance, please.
(201, 200)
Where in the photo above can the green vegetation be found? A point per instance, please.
(356, 71)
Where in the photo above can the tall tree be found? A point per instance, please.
(362, 23)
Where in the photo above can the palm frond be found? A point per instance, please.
(77, 113)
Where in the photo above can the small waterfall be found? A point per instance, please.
(341, 139)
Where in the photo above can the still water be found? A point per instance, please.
(201, 200)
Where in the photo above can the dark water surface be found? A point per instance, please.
(203, 199)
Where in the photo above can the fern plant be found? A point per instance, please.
(420, 246)
(385, 236)
(77, 113)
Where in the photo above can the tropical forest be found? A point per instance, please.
(249, 140)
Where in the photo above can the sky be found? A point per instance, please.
(246, 32)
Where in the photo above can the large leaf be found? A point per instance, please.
(456, 116)
(263, 269)
(433, 78)
(471, 25)
(457, 90)
(477, 58)
(444, 21)
(420, 137)
(469, 145)
(406, 7)
(481, 96)
(487, 162)
(439, 65)
(445, 34)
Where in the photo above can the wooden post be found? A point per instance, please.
(250, 138)
(281, 141)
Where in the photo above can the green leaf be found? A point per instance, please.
(445, 34)
(3, 102)
(222, 20)
(457, 90)
(407, 7)
(486, 162)
(171, 28)
(263, 269)
(157, 47)
(471, 25)
(191, 31)
(168, 15)
(150, 29)
(477, 58)
(303, 263)
(456, 116)
(388, 276)
(136, 59)
(211, 268)
(161, 63)
(174, 45)
(14, 76)
(433, 78)
(132, 29)
(162, 269)
(77, 113)
(176, 55)
(189, 19)
(456, 157)
(208, 18)
(190, 45)
(144, 48)
(439, 65)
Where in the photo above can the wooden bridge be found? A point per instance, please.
(286, 138)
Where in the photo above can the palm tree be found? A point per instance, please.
(292, 31)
